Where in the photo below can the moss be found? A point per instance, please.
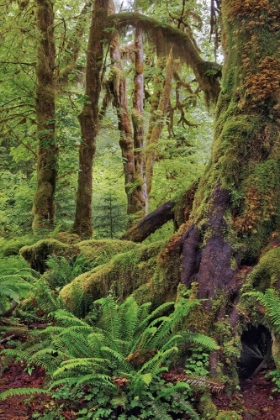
(36, 255)
(266, 273)
(228, 415)
(206, 407)
(123, 274)
(99, 252)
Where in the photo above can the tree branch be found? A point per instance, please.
(164, 37)
(150, 223)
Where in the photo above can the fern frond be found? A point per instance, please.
(154, 365)
(102, 380)
(67, 319)
(117, 357)
(129, 318)
(185, 405)
(80, 364)
(201, 339)
(109, 319)
(159, 412)
(271, 302)
(160, 309)
(14, 392)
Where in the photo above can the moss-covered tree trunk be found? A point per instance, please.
(236, 206)
(140, 195)
(89, 120)
(159, 107)
(236, 209)
(43, 203)
(120, 102)
(131, 142)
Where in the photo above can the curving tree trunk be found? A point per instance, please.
(89, 120)
(43, 203)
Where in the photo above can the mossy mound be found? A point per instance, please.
(99, 252)
(266, 274)
(36, 255)
(134, 271)
(228, 415)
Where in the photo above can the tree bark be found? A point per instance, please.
(131, 142)
(236, 210)
(140, 202)
(158, 113)
(43, 203)
(89, 120)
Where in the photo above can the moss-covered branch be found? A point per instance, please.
(164, 37)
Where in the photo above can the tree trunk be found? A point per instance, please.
(160, 101)
(131, 143)
(140, 202)
(89, 120)
(236, 208)
(43, 204)
(119, 92)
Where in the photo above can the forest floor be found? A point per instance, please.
(256, 397)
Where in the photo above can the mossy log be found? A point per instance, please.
(136, 271)
(37, 254)
(96, 252)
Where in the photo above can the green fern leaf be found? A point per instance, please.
(13, 392)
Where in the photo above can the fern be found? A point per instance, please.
(14, 392)
(124, 353)
(271, 302)
(13, 287)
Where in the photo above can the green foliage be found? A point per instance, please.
(12, 392)
(109, 218)
(115, 359)
(271, 303)
(62, 271)
(197, 362)
(13, 288)
(12, 246)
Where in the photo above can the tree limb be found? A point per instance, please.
(150, 223)
(164, 37)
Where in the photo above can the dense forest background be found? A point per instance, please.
(178, 157)
(139, 217)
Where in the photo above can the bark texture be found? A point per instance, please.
(89, 120)
(43, 203)
(236, 212)
(158, 113)
(140, 195)
(131, 142)
(233, 211)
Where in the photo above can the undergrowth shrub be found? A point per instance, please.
(12, 246)
(14, 287)
(62, 271)
(114, 360)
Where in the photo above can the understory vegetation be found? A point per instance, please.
(123, 360)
